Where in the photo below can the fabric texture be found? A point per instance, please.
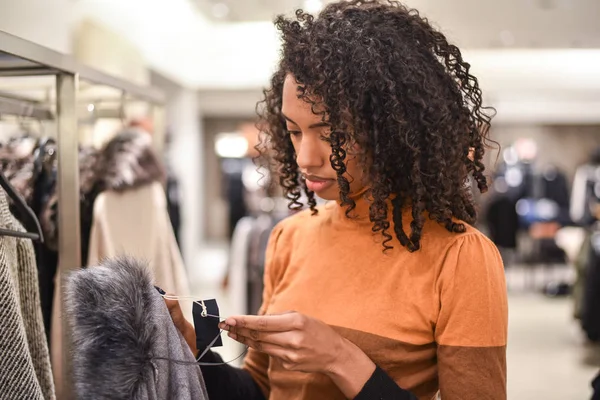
(125, 344)
(24, 361)
(432, 320)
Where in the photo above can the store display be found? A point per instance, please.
(46, 168)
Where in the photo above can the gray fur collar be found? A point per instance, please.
(128, 161)
(113, 346)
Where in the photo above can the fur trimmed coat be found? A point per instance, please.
(130, 218)
(125, 344)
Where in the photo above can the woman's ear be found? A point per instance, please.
(471, 155)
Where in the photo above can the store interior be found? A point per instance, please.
(187, 74)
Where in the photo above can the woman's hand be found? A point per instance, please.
(182, 324)
(304, 344)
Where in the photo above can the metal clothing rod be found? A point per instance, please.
(26, 109)
(69, 246)
(59, 62)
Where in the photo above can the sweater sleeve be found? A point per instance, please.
(381, 386)
(471, 328)
(225, 382)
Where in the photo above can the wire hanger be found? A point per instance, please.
(30, 220)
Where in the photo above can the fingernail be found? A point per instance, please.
(223, 326)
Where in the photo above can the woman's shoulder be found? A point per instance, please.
(470, 253)
(437, 236)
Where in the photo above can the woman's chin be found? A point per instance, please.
(328, 194)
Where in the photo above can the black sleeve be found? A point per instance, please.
(381, 387)
(224, 382)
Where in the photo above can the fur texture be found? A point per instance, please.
(109, 308)
(128, 161)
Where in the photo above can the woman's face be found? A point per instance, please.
(308, 134)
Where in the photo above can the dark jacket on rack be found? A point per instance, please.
(125, 343)
(590, 308)
(24, 361)
(29, 164)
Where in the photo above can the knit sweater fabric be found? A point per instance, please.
(25, 360)
(433, 320)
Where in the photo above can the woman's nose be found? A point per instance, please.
(309, 154)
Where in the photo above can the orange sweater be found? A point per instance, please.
(434, 320)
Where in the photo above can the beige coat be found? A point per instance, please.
(134, 223)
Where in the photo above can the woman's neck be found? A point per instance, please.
(363, 200)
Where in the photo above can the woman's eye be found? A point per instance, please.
(293, 133)
(326, 138)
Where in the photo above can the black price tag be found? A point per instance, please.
(206, 324)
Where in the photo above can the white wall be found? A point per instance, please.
(47, 22)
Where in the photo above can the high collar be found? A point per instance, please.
(360, 213)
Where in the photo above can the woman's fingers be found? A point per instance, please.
(268, 323)
(288, 340)
(264, 347)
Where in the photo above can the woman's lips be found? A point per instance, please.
(316, 185)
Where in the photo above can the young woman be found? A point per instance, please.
(386, 292)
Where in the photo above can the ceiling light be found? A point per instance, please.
(313, 6)
(90, 107)
(220, 10)
(231, 145)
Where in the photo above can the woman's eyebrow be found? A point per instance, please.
(318, 125)
(288, 119)
(313, 126)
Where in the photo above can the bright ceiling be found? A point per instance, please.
(472, 23)
(536, 55)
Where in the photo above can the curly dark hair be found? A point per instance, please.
(383, 78)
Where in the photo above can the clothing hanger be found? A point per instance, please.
(25, 212)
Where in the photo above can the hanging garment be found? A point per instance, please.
(173, 204)
(259, 237)
(503, 221)
(130, 218)
(238, 265)
(125, 344)
(24, 359)
(590, 309)
(136, 223)
(596, 387)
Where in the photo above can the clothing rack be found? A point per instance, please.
(18, 58)
(21, 108)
